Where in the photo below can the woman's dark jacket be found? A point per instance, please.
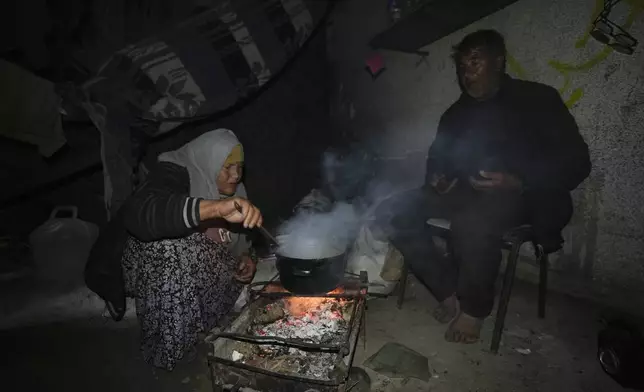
(160, 208)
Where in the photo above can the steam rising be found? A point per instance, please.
(315, 235)
(328, 228)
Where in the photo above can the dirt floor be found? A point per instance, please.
(555, 354)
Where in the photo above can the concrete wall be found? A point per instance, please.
(399, 111)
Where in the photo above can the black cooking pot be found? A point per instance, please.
(311, 276)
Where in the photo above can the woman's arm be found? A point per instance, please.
(162, 208)
(233, 209)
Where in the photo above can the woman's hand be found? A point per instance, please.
(249, 217)
(245, 269)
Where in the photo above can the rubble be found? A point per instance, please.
(237, 356)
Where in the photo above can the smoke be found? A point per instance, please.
(315, 235)
(352, 192)
(346, 175)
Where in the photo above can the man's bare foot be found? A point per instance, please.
(464, 329)
(446, 310)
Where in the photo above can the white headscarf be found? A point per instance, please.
(204, 157)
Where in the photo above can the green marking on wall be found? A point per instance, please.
(574, 97)
(599, 6)
(636, 7)
(516, 68)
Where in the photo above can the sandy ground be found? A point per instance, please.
(555, 354)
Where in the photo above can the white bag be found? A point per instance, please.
(369, 254)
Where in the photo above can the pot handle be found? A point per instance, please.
(301, 272)
(71, 209)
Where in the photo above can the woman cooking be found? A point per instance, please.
(184, 261)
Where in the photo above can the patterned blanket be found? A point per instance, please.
(204, 65)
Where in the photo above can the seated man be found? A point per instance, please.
(506, 153)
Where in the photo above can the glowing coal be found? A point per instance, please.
(317, 320)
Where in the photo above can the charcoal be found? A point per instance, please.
(270, 313)
(316, 320)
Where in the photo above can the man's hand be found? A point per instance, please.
(245, 269)
(490, 181)
(441, 185)
(250, 216)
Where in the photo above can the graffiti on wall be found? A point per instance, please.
(569, 92)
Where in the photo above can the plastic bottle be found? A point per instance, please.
(61, 247)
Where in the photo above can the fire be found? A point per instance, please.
(298, 306)
(274, 288)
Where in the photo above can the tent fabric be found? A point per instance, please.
(202, 66)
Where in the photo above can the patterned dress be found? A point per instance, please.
(181, 286)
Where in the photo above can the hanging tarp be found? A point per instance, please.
(209, 62)
(202, 66)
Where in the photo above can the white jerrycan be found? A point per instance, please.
(61, 246)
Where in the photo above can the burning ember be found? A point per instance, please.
(299, 306)
(317, 320)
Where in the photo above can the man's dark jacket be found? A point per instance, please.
(525, 130)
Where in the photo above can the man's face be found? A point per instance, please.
(479, 73)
